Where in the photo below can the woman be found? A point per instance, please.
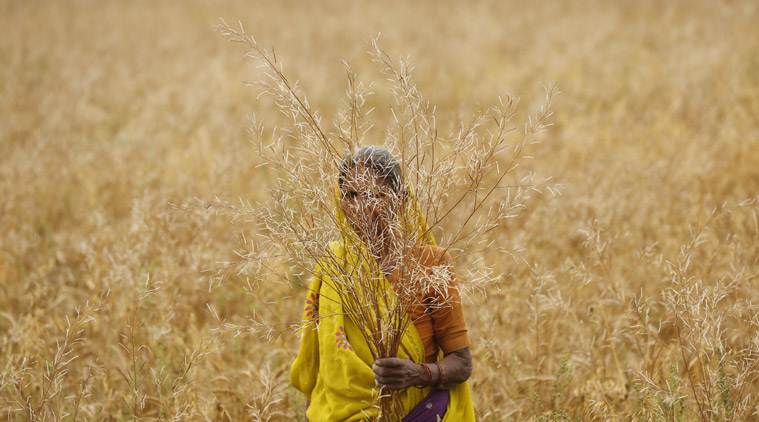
(334, 367)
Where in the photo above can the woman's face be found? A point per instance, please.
(370, 205)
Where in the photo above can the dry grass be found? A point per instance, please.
(632, 294)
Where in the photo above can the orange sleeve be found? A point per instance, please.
(448, 322)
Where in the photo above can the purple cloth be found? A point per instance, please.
(431, 408)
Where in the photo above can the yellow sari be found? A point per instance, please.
(333, 367)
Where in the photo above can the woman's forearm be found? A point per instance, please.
(453, 369)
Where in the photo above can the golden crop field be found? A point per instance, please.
(629, 290)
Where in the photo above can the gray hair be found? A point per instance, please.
(378, 160)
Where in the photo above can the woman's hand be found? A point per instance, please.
(396, 373)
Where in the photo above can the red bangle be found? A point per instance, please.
(429, 376)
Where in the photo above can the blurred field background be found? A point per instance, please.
(633, 295)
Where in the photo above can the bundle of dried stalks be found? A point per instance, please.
(456, 188)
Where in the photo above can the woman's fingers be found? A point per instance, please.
(392, 383)
(391, 379)
(390, 376)
(390, 362)
(398, 386)
(393, 373)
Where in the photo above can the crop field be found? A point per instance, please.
(624, 287)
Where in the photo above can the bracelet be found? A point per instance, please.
(441, 380)
(429, 375)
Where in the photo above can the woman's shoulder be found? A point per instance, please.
(441, 281)
(432, 255)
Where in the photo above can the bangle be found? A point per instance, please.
(428, 381)
(441, 380)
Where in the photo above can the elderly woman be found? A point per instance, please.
(334, 367)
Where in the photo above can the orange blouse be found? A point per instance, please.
(440, 327)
